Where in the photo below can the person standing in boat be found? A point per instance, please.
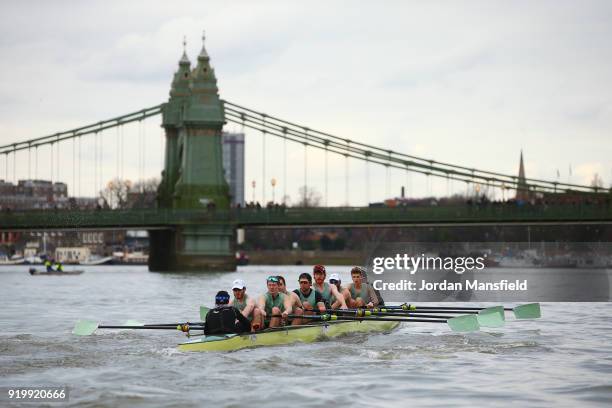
(336, 303)
(224, 318)
(309, 297)
(246, 305)
(274, 303)
(296, 304)
(326, 290)
(362, 294)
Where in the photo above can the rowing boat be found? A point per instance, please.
(73, 272)
(286, 335)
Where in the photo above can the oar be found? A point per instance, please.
(466, 323)
(382, 312)
(88, 327)
(487, 317)
(526, 311)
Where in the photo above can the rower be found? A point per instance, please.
(224, 318)
(326, 290)
(49, 265)
(274, 303)
(309, 297)
(296, 303)
(246, 305)
(334, 302)
(362, 294)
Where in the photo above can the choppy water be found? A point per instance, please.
(563, 359)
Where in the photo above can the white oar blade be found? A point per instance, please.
(203, 312)
(492, 317)
(85, 327)
(465, 323)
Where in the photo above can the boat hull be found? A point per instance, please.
(54, 273)
(288, 335)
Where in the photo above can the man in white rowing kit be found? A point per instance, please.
(334, 302)
(246, 305)
(274, 303)
(309, 297)
(362, 294)
(326, 290)
(296, 303)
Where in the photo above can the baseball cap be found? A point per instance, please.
(238, 284)
(334, 276)
(318, 269)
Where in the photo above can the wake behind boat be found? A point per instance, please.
(34, 271)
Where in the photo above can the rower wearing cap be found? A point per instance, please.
(296, 303)
(309, 297)
(274, 303)
(224, 318)
(246, 305)
(362, 294)
(338, 302)
(326, 290)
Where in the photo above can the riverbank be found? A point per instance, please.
(301, 257)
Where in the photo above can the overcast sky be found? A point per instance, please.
(470, 82)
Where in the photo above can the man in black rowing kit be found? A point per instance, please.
(224, 318)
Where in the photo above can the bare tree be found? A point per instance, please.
(115, 194)
(146, 186)
(308, 197)
(597, 181)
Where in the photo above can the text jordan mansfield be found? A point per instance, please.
(502, 285)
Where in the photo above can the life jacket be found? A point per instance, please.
(221, 320)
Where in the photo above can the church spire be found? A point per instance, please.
(522, 188)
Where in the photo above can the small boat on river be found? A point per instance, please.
(34, 271)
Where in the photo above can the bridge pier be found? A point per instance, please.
(193, 248)
(193, 176)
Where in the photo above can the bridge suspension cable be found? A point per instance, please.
(362, 151)
(84, 130)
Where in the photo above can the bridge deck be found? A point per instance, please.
(165, 219)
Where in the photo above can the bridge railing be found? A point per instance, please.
(280, 216)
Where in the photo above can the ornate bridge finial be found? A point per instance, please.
(203, 53)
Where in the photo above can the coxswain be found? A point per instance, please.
(246, 305)
(335, 302)
(224, 318)
(274, 304)
(309, 297)
(326, 290)
(362, 294)
(296, 303)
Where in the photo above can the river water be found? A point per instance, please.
(563, 359)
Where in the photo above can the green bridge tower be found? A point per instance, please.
(193, 177)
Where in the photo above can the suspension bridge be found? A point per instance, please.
(193, 226)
